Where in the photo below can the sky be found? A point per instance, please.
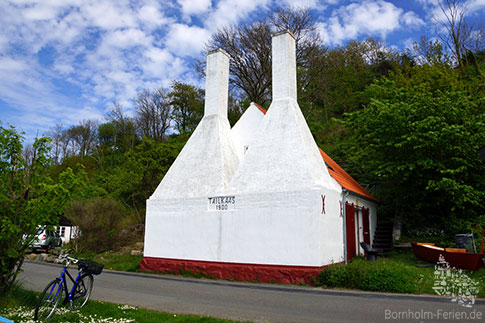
(64, 61)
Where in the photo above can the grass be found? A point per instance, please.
(19, 306)
(396, 274)
(127, 262)
(113, 260)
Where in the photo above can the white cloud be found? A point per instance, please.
(411, 19)
(194, 7)
(10, 65)
(151, 16)
(126, 38)
(109, 15)
(475, 5)
(3, 43)
(184, 40)
(84, 113)
(20, 78)
(229, 12)
(302, 3)
(409, 43)
(376, 17)
(64, 68)
(39, 12)
(155, 60)
(362, 18)
(37, 104)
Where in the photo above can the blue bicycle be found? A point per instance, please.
(57, 289)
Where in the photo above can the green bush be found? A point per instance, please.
(396, 273)
(387, 280)
(380, 276)
(100, 223)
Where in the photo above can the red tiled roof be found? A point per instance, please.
(338, 173)
(343, 178)
(259, 107)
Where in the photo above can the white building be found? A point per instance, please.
(66, 230)
(259, 201)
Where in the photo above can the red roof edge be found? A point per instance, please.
(344, 179)
(259, 107)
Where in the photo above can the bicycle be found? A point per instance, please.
(55, 290)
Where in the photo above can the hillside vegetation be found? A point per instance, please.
(408, 125)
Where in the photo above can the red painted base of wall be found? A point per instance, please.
(236, 271)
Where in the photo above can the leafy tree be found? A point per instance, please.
(28, 198)
(337, 83)
(135, 180)
(83, 136)
(430, 52)
(125, 134)
(107, 135)
(187, 103)
(419, 139)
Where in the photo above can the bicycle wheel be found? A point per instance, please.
(50, 297)
(82, 291)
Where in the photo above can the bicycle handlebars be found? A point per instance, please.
(65, 257)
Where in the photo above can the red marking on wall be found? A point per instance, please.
(341, 210)
(239, 271)
(323, 204)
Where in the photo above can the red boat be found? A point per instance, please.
(458, 258)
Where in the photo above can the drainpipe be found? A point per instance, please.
(345, 194)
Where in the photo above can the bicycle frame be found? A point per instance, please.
(63, 284)
(69, 296)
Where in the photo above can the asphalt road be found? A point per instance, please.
(259, 302)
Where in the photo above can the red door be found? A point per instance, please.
(365, 225)
(350, 230)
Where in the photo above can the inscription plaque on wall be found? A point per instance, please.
(222, 203)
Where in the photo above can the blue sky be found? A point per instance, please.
(63, 61)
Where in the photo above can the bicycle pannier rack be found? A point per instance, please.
(90, 267)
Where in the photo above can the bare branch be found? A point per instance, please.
(454, 31)
(153, 113)
(250, 49)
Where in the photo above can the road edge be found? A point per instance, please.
(273, 287)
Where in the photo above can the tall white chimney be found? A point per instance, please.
(283, 156)
(284, 65)
(216, 83)
(208, 160)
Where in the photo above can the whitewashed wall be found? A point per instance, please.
(246, 129)
(331, 229)
(270, 228)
